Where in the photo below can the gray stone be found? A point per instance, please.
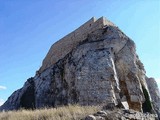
(155, 94)
(90, 117)
(102, 113)
(119, 114)
(22, 98)
(125, 105)
(100, 67)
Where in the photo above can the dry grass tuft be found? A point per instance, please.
(71, 112)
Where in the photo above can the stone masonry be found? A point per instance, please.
(70, 41)
(96, 64)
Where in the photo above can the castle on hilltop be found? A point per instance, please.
(67, 43)
(95, 64)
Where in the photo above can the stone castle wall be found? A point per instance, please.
(67, 43)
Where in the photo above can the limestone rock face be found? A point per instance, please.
(102, 68)
(155, 94)
(22, 98)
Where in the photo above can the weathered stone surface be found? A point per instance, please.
(155, 94)
(101, 68)
(125, 105)
(22, 98)
(65, 45)
(90, 117)
(120, 114)
(101, 114)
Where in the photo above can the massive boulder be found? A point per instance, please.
(96, 64)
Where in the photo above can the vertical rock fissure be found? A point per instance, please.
(146, 106)
(124, 94)
(115, 74)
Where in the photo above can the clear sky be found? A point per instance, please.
(29, 27)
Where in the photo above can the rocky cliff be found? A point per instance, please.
(100, 68)
(155, 94)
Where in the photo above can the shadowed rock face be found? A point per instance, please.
(155, 94)
(27, 99)
(22, 98)
(102, 69)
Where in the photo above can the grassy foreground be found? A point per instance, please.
(71, 112)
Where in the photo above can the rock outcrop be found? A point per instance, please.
(96, 64)
(121, 114)
(155, 94)
(22, 98)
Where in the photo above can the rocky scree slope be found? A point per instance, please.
(103, 69)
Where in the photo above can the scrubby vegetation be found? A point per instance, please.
(71, 112)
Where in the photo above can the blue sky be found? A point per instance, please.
(29, 27)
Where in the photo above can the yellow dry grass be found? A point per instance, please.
(71, 112)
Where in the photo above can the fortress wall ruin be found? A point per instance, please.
(70, 41)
